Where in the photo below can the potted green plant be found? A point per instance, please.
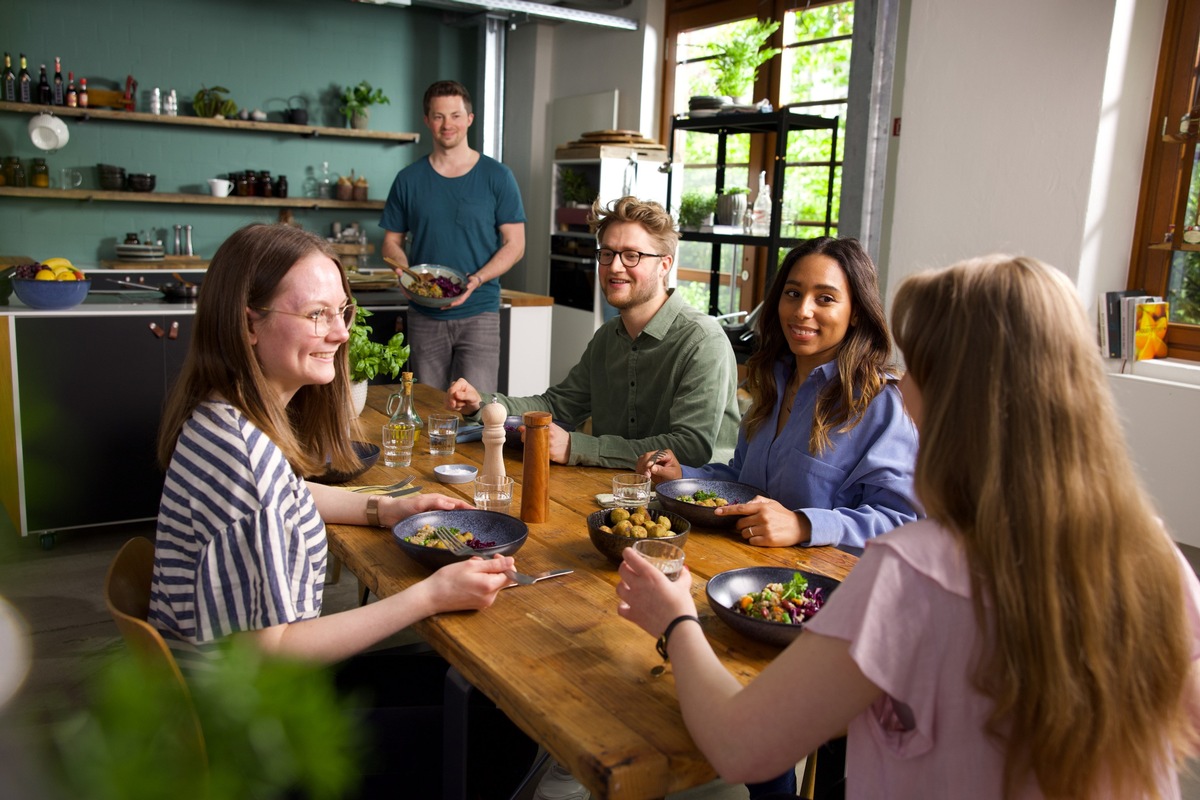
(357, 101)
(577, 194)
(696, 209)
(213, 102)
(738, 55)
(370, 359)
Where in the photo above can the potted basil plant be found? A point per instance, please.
(370, 359)
(357, 101)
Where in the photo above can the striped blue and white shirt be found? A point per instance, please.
(240, 545)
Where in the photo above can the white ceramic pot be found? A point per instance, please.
(358, 396)
(360, 120)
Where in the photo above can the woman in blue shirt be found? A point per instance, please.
(826, 437)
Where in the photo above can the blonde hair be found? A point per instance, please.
(245, 273)
(1075, 584)
(647, 213)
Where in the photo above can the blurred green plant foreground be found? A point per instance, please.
(270, 726)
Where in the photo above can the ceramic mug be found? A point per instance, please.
(220, 187)
(70, 178)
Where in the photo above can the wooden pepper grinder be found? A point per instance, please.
(535, 476)
(493, 415)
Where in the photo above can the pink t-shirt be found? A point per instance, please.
(906, 611)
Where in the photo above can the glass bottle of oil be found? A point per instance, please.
(404, 412)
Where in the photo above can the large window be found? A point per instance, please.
(1172, 269)
(810, 76)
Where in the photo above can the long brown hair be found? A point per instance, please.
(862, 357)
(1075, 584)
(245, 273)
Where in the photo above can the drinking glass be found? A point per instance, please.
(397, 445)
(493, 493)
(70, 178)
(631, 489)
(443, 429)
(666, 557)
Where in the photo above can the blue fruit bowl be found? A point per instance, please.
(50, 295)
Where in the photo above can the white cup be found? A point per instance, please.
(70, 178)
(220, 187)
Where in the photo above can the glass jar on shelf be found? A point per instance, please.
(39, 176)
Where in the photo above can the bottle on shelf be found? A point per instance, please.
(403, 412)
(72, 97)
(761, 225)
(325, 184)
(10, 81)
(83, 98)
(60, 97)
(18, 175)
(171, 104)
(45, 95)
(24, 83)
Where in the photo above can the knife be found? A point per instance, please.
(402, 492)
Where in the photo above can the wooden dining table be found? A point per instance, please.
(555, 656)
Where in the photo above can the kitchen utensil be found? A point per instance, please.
(48, 132)
(169, 291)
(220, 187)
(140, 182)
(296, 114)
(414, 275)
(181, 279)
(460, 548)
(381, 487)
(70, 178)
(187, 248)
(178, 240)
(554, 573)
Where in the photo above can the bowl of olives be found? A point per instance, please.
(614, 529)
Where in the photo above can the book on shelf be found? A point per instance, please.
(1129, 307)
(1150, 330)
(1111, 323)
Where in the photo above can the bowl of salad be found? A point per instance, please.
(487, 533)
(444, 284)
(695, 499)
(769, 604)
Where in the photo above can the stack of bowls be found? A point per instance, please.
(112, 178)
(140, 182)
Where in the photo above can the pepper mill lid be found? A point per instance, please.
(537, 419)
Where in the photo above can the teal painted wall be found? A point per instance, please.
(263, 52)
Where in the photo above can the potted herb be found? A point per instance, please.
(213, 102)
(696, 209)
(357, 101)
(370, 359)
(738, 55)
(576, 189)
(731, 205)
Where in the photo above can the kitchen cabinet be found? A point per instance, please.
(780, 124)
(79, 419)
(99, 115)
(611, 171)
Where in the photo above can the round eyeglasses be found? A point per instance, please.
(630, 258)
(322, 318)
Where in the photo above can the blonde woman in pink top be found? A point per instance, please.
(1036, 636)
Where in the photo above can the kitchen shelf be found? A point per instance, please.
(1176, 247)
(89, 195)
(307, 131)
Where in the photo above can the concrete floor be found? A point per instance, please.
(58, 592)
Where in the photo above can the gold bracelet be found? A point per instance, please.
(373, 511)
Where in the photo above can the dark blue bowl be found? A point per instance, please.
(726, 588)
(368, 454)
(507, 532)
(512, 429)
(612, 545)
(703, 515)
(50, 295)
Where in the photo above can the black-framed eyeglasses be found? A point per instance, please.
(322, 318)
(630, 258)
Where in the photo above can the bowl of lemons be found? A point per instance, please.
(53, 284)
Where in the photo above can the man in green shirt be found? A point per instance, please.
(661, 374)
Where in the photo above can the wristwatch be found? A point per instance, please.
(373, 511)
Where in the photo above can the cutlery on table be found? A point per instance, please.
(460, 548)
(383, 487)
(554, 573)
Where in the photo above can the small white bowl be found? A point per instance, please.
(48, 132)
(455, 473)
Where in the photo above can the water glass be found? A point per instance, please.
(493, 493)
(631, 490)
(397, 445)
(443, 430)
(666, 557)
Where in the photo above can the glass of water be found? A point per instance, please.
(397, 444)
(493, 493)
(666, 557)
(631, 489)
(443, 430)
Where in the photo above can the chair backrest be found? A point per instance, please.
(127, 595)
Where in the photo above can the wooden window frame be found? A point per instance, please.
(1151, 269)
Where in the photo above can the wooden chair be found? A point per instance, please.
(127, 595)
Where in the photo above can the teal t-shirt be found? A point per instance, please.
(454, 222)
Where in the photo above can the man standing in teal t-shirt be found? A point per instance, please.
(461, 209)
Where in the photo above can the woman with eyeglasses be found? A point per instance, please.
(826, 437)
(1037, 636)
(262, 402)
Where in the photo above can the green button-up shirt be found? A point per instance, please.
(674, 386)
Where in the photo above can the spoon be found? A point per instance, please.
(418, 276)
(180, 278)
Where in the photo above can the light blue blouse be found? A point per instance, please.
(856, 489)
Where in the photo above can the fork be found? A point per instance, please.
(459, 548)
(382, 487)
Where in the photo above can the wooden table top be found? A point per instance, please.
(555, 656)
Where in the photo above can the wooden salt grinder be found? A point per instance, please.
(535, 476)
(493, 415)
